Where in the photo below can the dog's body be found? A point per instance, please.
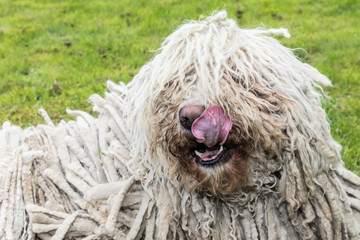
(220, 136)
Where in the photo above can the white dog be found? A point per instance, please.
(220, 136)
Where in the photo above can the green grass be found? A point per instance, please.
(54, 54)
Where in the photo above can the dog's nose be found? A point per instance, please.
(189, 113)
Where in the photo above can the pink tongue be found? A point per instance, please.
(212, 127)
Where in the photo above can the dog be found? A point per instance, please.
(221, 135)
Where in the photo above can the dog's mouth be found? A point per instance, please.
(208, 154)
(211, 156)
(210, 131)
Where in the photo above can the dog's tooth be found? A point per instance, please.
(221, 149)
(198, 153)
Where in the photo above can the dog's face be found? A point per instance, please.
(213, 143)
(210, 149)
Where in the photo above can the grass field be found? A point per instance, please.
(54, 54)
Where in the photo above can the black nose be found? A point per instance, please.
(189, 113)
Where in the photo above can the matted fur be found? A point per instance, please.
(129, 172)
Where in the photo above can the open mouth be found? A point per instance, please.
(209, 156)
(210, 129)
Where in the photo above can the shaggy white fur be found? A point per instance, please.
(129, 174)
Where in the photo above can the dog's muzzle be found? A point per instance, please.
(209, 127)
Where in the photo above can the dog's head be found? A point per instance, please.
(221, 108)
